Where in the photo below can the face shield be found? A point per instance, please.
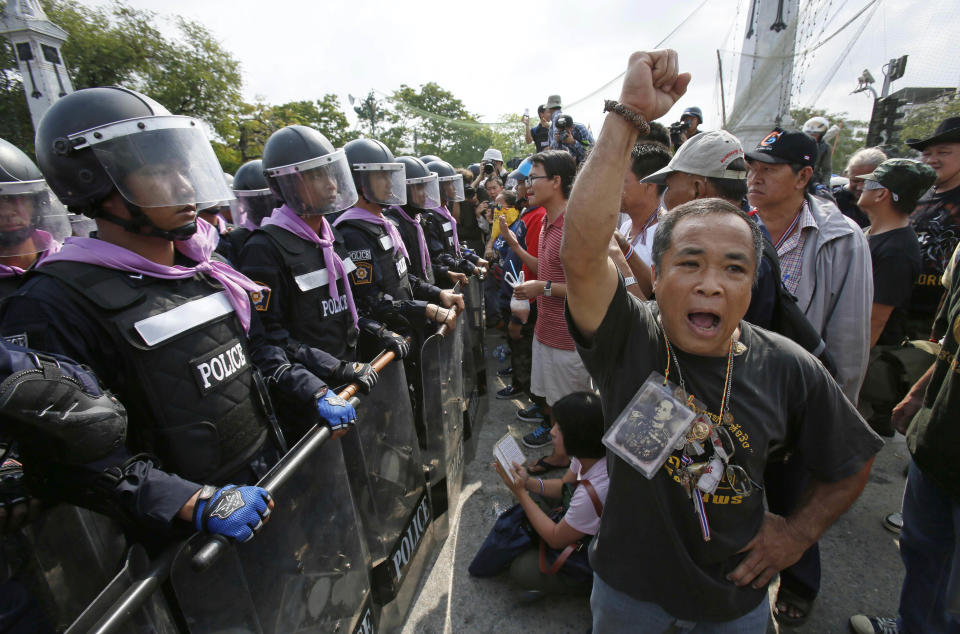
(382, 183)
(321, 185)
(452, 188)
(162, 161)
(423, 192)
(253, 205)
(31, 217)
(81, 226)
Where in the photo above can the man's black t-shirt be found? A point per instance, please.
(937, 223)
(896, 264)
(649, 545)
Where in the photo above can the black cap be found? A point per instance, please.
(785, 146)
(947, 132)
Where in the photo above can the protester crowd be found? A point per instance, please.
(712, 338)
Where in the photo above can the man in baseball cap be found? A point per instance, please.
(890, 194)
(825, 263)
(710, 165)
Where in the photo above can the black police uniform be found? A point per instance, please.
(442, 246)
(178, 357)
(298, 313)
(409, 234)
(383, 287)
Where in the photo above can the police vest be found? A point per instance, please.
(442, 227)
(9, 284)
(198, 408)
(311, 316)
(409, 234)
(390, 269)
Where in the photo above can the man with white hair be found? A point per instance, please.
(861, 162)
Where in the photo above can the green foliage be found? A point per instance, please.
(252, 124)
(923, 120)
(853, 133)
(430, 120)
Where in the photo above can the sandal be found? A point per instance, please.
(795, 609)
(543, 466)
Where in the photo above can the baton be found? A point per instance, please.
(281, 472)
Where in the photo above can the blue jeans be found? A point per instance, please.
(614, 611)
(928, 548)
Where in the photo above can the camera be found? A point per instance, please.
(469, 192)
(676, 130)
(487, 167)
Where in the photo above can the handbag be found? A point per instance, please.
(572, 560)
(510, 536)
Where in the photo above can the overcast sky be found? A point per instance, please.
(503, 57)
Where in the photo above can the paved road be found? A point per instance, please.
(861, 564)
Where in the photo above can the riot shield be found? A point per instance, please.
(475, 366)
(66, 558)
(441, 363)
(305, 571)
(388, 485)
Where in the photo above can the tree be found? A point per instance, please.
(252, 124)
(922, 120)
(852, 137)
(117, 45)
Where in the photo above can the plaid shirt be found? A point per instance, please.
(790, 248)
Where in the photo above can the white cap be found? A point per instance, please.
(492, 154)
(706, 154)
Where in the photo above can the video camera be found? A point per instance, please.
(676, 130)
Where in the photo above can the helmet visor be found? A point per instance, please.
(81, 226)
(163, 161)
(423, 193)
(31, 217)
(254, 205)
(452, 188)
(382, 183)
(321, 185)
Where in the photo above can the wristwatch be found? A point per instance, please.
(546, 290)
(629, 281)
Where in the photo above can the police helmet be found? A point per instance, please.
(451, 181)
(380, 179)
(255, 199)
(693, 111)
(93, 142)
(429, 158)
(31, 217)
(423, 188)
(306, 172)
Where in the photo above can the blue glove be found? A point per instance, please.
(337, 412)
(234, 512)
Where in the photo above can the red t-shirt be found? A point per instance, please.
(551, 329)
(534, 221)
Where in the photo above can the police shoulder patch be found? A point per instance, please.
(363, 274)
(261, 299)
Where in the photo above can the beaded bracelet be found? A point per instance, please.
(609, 105)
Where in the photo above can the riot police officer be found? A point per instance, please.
(255, 199)
(409, 221)
(382, 285)
(165, 326)
(441, 227)
(309, 309)
(32, 220)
